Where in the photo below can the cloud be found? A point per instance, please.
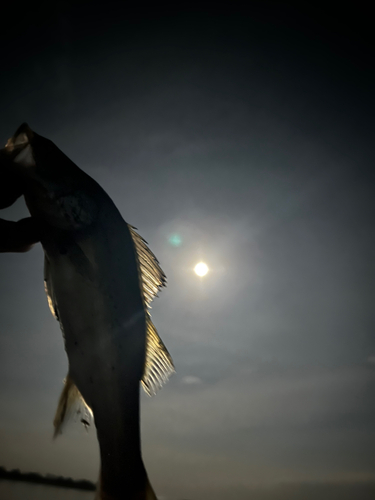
(191, 380)
(272, 397)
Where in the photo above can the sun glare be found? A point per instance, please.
(201, 269)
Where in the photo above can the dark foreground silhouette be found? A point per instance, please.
(33, 477)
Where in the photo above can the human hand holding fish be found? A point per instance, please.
(100, 278)
(17, 236)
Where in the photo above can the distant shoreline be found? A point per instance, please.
(50, 479)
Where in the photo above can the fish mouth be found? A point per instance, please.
(20, 139)
(18, 149)
(11, 150)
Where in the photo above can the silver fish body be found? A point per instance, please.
(100, 277)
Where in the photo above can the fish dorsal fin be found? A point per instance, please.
(152, 275)
(158, 361)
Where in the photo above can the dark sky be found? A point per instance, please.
(250, 135)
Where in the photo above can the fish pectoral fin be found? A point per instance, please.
(71, 404)
(158, 363)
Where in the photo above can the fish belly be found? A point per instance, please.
(103, 319)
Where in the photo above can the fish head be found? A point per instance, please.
(56, 190)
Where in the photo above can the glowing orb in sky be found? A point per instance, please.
(201, 269)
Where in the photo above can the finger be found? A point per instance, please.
(19, 236)
(10, 186)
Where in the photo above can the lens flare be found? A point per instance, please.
(201, 269)
(175, 240)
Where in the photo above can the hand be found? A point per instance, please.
(18, 236)
(14, 236)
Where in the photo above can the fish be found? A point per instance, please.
(100, 278)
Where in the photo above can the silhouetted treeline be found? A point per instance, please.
(33, 477)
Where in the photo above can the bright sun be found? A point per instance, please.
(201, 269)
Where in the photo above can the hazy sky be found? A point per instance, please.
(249, 135)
